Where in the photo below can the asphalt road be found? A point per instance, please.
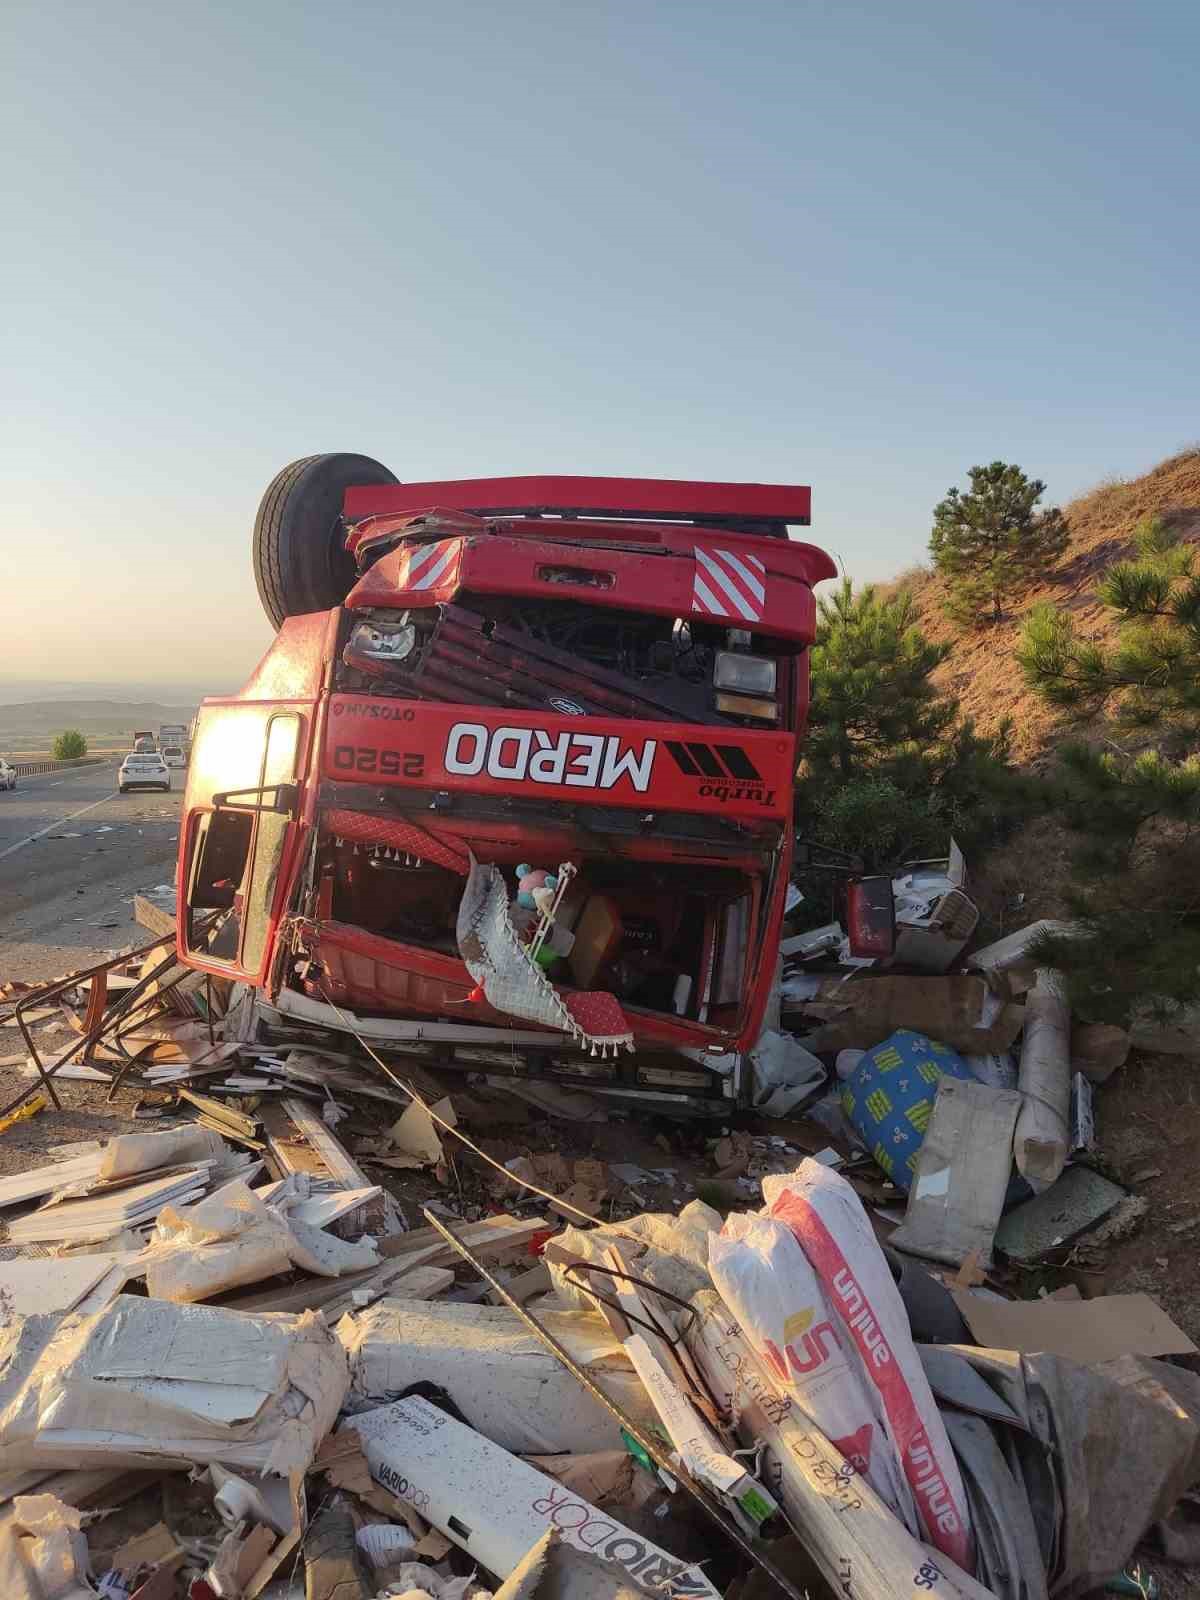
(73, 852)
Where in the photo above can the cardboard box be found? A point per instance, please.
(958, 1011)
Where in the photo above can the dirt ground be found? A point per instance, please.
(1148, 1118)
(980, 669)
(1149, 1135)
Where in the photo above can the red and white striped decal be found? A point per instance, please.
(427, 563)
(729, 584)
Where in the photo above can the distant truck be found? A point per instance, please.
(143, 741)
(173, 743)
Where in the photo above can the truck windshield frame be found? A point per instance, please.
(251, 854)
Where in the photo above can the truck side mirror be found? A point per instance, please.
(871, 917)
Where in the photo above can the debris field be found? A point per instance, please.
(329, 1317)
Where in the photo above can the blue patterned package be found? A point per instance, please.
(889, 1098)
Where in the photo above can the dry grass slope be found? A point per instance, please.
(981, 671)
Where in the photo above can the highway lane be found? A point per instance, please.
(72, 854)
(51, 797)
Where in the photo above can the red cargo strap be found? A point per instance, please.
(396, 833)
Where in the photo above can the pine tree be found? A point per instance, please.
(889, 770)
(992, 540)
(1152, 674)
(872, 693)
(1136, 895)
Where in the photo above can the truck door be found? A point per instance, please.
(237, 850)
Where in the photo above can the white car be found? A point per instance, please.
(173, 755)
(8, 774)
(144, 770)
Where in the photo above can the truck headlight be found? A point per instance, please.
(382, 641)
(744, 674)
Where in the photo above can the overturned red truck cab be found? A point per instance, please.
(596, 687)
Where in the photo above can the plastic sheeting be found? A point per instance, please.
(1102, 1452)
(130, 1153)
(234, 1238)
(146, 1383)
(668, 1251)
(503, 1380)
(828, 1220)
(765, 1279)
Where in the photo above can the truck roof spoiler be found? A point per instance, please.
(752, 505)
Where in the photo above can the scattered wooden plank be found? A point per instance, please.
(494, 1239)
(415, 1283)
(227, 1132)
(149, 914)
(315, 1294)
(45, 1180)
(104, 1215)
(89, 1488)
(44, 1284)
(32, 1018)
(20, 1482)
(217, 1111)
(335, 1073)
(72, 1069)
(524, 1286)
(320, 1210)
(321, 1138)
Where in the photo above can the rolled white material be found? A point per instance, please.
(1043, 1135)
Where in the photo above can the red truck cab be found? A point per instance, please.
(610, 674)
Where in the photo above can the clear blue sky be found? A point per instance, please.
(860, 246)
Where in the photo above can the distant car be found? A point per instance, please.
(8, 775)
(143, 770)
(173, 755)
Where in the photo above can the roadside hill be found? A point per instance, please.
(981, 670)
(33, 725)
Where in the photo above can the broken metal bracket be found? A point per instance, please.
(630, 1316)
(90, 1034)
(98, 1019)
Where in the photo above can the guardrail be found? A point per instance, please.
(32, 769)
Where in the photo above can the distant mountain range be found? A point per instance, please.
(32, 725)
(18, 692)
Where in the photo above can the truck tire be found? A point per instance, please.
(299, 562)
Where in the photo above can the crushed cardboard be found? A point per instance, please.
(958, 1011)
(146, 1381)
(1088, 1331)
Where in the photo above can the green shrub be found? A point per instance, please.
(69, 746)
(890, 770)
(1136, 807)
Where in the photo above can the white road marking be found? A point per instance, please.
(59, 823)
